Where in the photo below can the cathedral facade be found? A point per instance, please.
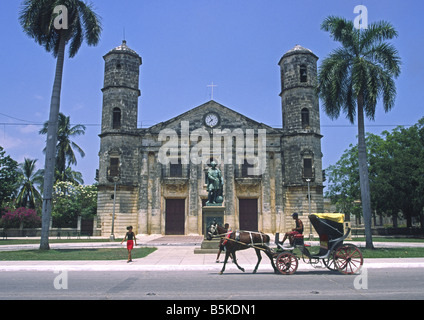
(155, 178)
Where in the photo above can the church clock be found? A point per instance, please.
(211, 119)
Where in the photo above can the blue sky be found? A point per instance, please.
(185, 45)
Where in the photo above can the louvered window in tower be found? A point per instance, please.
(305, 117)
(114, 167)
(307, 168)
(116, 121)
(303, 74)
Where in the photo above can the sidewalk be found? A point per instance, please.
(176, 253)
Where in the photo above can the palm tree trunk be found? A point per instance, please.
(363, 174)
(50, 162)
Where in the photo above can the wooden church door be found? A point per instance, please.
(174, 216)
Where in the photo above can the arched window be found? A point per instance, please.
(116, 121)
(305, 117)
(303, 74)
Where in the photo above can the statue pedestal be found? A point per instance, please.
(211, 213)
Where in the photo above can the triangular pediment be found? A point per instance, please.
(220, 117)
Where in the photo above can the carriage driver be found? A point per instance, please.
(297, 230)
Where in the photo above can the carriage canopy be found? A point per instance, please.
(336, 217)
(329, 224)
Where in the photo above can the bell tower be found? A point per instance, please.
(118, 159)
(301, 128)
(120, 90)
(299, 100)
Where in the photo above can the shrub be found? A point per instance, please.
(27, 217)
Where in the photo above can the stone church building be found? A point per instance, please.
(155, 178)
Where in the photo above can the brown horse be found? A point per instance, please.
(241, 240)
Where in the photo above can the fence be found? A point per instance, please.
(85, 227)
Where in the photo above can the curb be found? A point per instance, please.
(211, 267)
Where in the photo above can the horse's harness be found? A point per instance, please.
(237, 238)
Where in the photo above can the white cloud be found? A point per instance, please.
(78, 106)
(29, 129)
(8, 142)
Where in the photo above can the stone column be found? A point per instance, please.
(193, 199)
(143, 196)
(155, 172)
(229, 196)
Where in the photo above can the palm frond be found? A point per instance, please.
(332, 81)
(376, 33)
(92, 23)
(341, 30)
(371, 64)
(37, 20)
(77, 37)
(386, 55)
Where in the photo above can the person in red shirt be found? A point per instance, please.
(131, 241)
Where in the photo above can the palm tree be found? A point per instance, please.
(69, 175)
(28, 194)
(38, 20)
(65, 155)
(352, 78)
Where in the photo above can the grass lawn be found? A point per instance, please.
(75, 254)
(12, 241)
(387, 239)
(393, 253)
(379, 252)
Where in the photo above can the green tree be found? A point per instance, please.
(396, 172)
(343, 177)
(65, 155)
(400, 180)
(352, 78)
(28, 195)
(74, 22)
(9, 178)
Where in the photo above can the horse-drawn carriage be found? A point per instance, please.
(346, 258)
(333, 253)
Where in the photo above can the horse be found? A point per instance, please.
(241, 240)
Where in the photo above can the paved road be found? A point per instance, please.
(405, 283)
(184, 275)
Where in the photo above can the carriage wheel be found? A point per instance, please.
(286, 263)
(348, 259)
(329, 262)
